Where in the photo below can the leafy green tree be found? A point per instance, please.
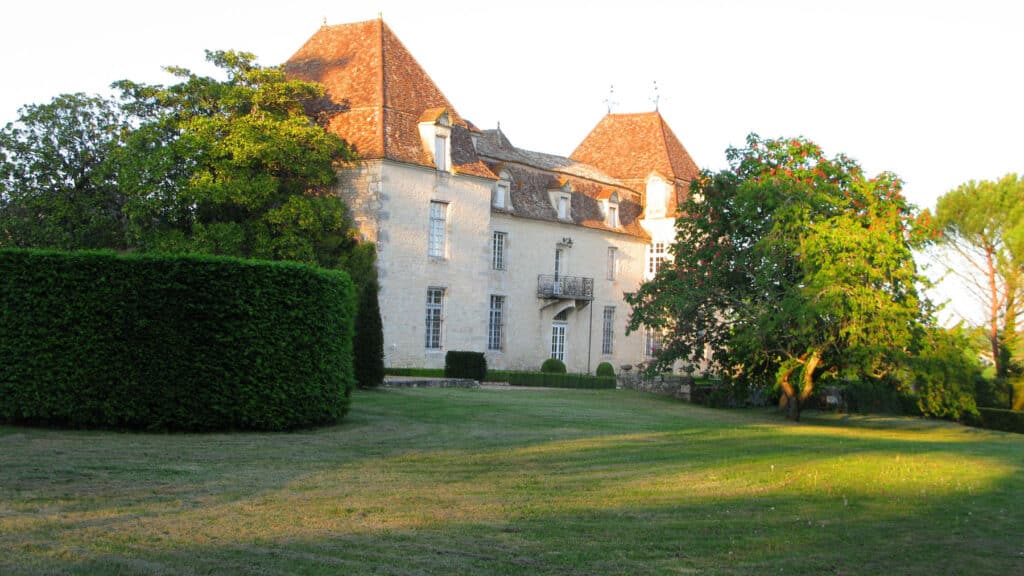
(233, 166)
(55, 190)
(983, 226)
(786, 267)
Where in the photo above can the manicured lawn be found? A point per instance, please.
(450, 481)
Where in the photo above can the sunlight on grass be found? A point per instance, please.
(678, 477)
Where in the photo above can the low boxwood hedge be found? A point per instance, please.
(417, 372)
(551, 380)
(96, 339)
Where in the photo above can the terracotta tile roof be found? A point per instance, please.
(631, 146)
(533, 174)
(376, 94)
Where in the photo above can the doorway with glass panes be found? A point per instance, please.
(559, 329)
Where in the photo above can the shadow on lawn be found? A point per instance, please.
(790, 534)
(398, 489)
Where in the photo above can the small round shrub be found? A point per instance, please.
(553, 366)
(605, 369)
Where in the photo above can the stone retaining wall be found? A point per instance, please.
(664, 384)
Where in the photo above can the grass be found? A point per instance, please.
(455, 481)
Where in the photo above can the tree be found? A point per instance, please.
(233, 166)
(368, 346)
(55, 190)
(786, 267)
(983, 226)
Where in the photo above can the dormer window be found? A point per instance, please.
(563, 207)
(561, 200)
(500, 197)
(435, 134)
(611, 218)
(441, 152)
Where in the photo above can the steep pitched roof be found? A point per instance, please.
(533, 174)
(376, 93)
(631, 146)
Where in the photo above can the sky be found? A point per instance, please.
(932, 91)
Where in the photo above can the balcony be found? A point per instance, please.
(565, 287)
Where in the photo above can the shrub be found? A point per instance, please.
(605, 369)
(470, 365)
(557, 380)
(417, 372)
(368, 347)
(92, 339)
(872, 397)
(1006, 420)
(553, 366)
(994, 393)
(1018, 394)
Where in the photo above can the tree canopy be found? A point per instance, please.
(55, 186)
(787, 267)
(982, 224)
(229, 166)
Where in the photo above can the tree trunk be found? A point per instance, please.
(808, 375)
(994, 309)
(788, 401)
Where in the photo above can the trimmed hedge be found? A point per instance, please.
(605, 369)
(1006, 420)
(996, 393)
(553, 366)
(418, 372)
(550, 380)
(95, 339)
(470, 365)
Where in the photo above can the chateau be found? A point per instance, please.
(483, 246)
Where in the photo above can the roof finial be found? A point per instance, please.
(323, 21)
(655, 96)
(610, 100)
(380, 14)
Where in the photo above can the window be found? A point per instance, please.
(652, 343)
(558, 329)
(437, 242)
(655, 256)
(494, 323)
(558, 263)
(613, 258)
(500, 194)
(608, 330)
(435, 316)
(563, 207)
(441, 152)
(498, 242)
(612, 211)
(613, 216)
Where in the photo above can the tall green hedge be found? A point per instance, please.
(93, 339)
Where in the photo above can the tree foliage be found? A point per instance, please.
(233, 166)
(787, 267)
(982, 225)
(55, 189)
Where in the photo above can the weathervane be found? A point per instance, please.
(610, 100)
(655, 96)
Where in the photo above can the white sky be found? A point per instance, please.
(932, 91)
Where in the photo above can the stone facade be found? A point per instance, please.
(483, 246)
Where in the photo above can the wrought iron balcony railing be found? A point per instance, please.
(567, 287)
